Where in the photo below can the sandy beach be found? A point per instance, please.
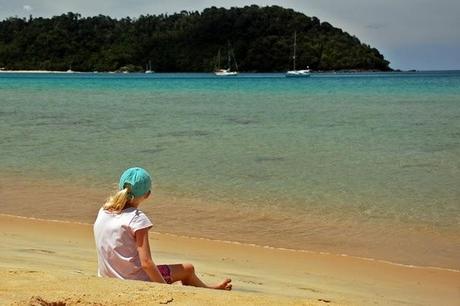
(35, 71)
(45, 261)
(325, 171)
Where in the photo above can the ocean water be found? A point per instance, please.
(366, 164)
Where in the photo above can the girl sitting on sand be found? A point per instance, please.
(122, 243)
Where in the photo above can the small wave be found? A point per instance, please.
(262, 159)
(184, 133)
(241, 121)
(151, 151)
(382, 261)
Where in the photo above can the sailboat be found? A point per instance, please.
(305, 73)
(226, 72)
(148, 68)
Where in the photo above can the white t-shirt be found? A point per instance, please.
(116, 244)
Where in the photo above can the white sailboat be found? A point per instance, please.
(226, 72)
(148, 69)
(305, 73)
(70, 69)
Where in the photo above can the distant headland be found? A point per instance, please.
(261, 39)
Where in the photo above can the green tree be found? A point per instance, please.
(261, 37)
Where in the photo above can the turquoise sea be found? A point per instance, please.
(366, 164)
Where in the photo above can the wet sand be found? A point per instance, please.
(55, 261)
(410, 244)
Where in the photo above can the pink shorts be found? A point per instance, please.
(165, 271)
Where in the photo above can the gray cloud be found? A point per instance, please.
(389, 25)
(375, 26)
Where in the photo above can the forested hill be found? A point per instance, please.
(261, 38)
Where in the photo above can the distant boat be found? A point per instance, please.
(70, 70)
(298, 73)
(148, 68)
(226, 72)
(304, 73)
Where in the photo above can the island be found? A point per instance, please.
(261, 40)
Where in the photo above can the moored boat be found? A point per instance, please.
(230, 59)
(148, 69)
(225, 72)
(298, 73)
(294, 73)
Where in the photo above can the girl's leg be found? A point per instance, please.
(186, 274)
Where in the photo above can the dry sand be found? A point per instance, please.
(55, 262)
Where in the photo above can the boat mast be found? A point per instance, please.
(295, 43)
(228, 56)
(218, 60)
(234, 59)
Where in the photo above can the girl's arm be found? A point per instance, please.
(143, 248)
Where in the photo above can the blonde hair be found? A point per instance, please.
(118, 201)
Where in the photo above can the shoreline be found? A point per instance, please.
(319, 72)
(309, 234)
(65, 256)
(253, 245)
(39, 71)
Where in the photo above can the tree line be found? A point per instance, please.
(261, 39)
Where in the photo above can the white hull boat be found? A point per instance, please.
(304, 73)
(298, 73)
(225, 72)
(148, 68)
(230, 59)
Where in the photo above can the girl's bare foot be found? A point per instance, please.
(225, 285)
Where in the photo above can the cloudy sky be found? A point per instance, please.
(411, 34)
